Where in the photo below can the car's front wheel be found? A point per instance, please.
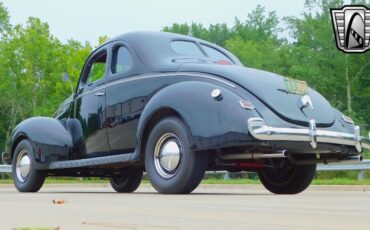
(283, 177)
(127, 181)
(25, 175)
(171, 165)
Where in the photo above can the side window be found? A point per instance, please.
(122, 60)
(186, 48)
(96, 68)
(215, 54)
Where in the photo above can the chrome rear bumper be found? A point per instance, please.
(261, 131)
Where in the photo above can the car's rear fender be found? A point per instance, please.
(50, 140)
(212, 123)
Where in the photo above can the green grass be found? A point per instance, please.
(336, 181)
(240, 181)
(64, 181)
(341, 181)
(6, 181)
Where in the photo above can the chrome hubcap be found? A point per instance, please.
(167, 155)
(23, 166)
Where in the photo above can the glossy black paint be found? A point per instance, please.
(50, 140)
(212, 123)
(270, 89)
(114, 115)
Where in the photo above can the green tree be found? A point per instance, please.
(256, 42)
(4, 19)
(259, 26)
(217, 33)
(32, 62)
(316, 59)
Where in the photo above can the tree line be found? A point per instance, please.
(32, 60)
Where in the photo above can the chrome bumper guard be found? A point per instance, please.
(261, 131)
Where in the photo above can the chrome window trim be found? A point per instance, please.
(141, 77)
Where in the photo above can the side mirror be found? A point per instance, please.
(65, 77)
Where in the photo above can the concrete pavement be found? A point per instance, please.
(209, 207)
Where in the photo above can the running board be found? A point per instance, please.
(97, 161)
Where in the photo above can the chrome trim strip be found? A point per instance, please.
(120, 158)
(261, 131)
(177, 74)
(140, 77)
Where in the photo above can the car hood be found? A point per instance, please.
(271, 90)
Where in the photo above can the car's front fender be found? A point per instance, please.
(50, 140)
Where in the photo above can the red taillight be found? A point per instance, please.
(245, 104)
(224, 62)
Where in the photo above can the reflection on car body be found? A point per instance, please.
(175, 106)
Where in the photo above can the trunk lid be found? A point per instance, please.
(273, 90)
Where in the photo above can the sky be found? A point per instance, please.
(86, 20)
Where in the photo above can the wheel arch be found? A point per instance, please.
(15, 143)
(212, 123)
(156, 116)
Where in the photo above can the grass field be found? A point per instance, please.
(336, 181)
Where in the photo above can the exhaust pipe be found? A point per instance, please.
(253, 156)
(352, 159)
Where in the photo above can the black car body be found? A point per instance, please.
(232, 118)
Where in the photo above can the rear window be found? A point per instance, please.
(186, 48)
(215, 54)
(122, 60)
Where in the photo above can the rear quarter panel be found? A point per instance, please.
(132, 102)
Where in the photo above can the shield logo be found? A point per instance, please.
(352, 28)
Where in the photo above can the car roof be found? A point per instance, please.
(154, 50)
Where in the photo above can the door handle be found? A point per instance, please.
(99, 94)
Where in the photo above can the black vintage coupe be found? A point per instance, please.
(175, 106)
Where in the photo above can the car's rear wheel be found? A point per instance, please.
(127, 181)
(171, 165)
(283, 177)
(25, 175)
